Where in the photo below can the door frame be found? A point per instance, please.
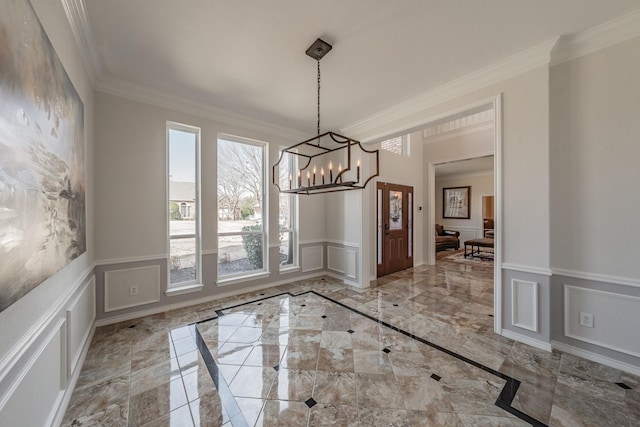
(380, 209)
(430, 245)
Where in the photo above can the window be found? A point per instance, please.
(241, 207)
(398, 145)
(287, 215)
(183, 148)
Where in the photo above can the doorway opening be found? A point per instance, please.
(394, 221)
(490, 145)
(464, 211)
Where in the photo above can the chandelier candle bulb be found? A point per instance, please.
(290, 179)
(330, 172)
(322, 173)
(340, 171)
(299, 178)
(308, 179)
(358, 171)
(314, 175)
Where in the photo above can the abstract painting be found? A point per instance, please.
(42, 182)
(456, 202)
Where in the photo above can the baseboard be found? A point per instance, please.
(175, 306)
(594, 357)
(71, 384)
(527, 340)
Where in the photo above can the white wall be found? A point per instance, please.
(44, 333)
(595, 159)
(403, 170)
(481, 185)
(131, 179)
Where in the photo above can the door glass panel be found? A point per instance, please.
(395, 210)
(410, 222)
(379, 226)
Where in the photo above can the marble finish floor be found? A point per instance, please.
(416, 349)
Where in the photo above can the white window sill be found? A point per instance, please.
(293, 269)
(186, 289)
(240, 279)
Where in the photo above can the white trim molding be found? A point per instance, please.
(526, 269)
(594, 357)
(596, 38)
(159, 257)
(605, 278)
(527, 340)
(514, 65)
(456, 133)
(151, 96)
(315, 254)
(342, 242)
(83, 33)
(608, 309)
(524, 292)
(336, 259)
(152, 297)
(29, 337)
(193, 302)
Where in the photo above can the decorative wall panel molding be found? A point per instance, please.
(335, 259)
(312, 258)
(80, 316)
(524, 304)
(43, 379)
(118, 284)
(604, 278)
(614, 319)
(352, 264)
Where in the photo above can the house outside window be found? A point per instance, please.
(241, 207)
(183, 225)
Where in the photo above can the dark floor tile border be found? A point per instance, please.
(504, 401)
(229, 403)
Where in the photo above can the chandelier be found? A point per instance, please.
(328, 162)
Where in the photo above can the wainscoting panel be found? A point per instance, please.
(352, 264)
(80, 316)
(34, 398)
(118, 287)
(335, 259)
(524, 304)
(614, 318)
(312, 258)
(466, 233)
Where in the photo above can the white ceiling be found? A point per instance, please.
(476, 165)
(247, 57)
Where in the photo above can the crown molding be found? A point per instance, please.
(599, 37)
(82, 32)
(514, 65)
(147, 95)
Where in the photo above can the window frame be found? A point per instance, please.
(293, 221)
(178, 288)
(228, 279)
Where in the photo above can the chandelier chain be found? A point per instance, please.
(318, 96)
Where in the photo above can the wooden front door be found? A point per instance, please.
(394, 227)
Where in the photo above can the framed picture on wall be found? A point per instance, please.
(456, 202)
